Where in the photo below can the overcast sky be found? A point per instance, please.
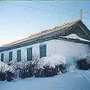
(21, 19)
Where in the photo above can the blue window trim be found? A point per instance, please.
(2, 56)
(43, 50)
(29, 53)
(10, 56)
(18, 55)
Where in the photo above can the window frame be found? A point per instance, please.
(29, 54)
(10, 56)
(18, 55)
(42, 48)
(2, 57)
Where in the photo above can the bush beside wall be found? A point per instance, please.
(7, 75)
(48, 71)
(83, 64)
(30, 69)
(2, 76)
(27, 71)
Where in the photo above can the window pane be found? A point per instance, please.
(18, 55)
(2, 57)
(10, 56)
(29, 54)
(42, 51)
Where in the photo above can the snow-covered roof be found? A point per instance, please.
(75, 36)
(44, 35)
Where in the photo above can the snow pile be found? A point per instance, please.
(4, 67)
(51, 61)
(78, 80)
(74, 36)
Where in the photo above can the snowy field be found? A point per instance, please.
(77, 80)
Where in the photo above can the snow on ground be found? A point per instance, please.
(74, 36)
(77, 80)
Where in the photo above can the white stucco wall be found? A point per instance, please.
(59, 47)
(67, 49)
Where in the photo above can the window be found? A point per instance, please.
(10, 56)
(2, 57)
(42, 51)
(29, 54)
(18, 55)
